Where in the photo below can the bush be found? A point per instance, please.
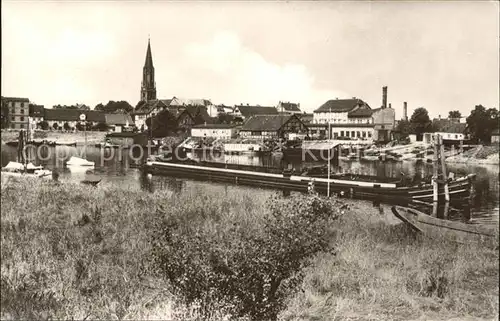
(43, 125)
(223, 265)
(55, 126)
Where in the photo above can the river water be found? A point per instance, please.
(116, 167)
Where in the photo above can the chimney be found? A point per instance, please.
(439, 116)
(390, 105)
(384, 97)
(405, 111)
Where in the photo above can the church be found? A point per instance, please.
(149, 105)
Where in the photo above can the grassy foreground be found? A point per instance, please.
(76, 252)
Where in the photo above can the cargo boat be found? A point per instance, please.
(388, 192)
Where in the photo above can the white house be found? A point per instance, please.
(222, 131)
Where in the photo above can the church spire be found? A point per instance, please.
(149, 57)
(148, 85)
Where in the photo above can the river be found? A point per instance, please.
(115, 167)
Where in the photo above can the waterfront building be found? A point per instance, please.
(71, 116)
(15, 110)
(354, 119)
(272, 126)
(36, 113)
(244, 112)
(221, 131)
(495, 137)
(118, 122)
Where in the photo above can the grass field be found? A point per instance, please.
(75, 252)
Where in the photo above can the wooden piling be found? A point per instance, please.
(435, 171)
(443, 169)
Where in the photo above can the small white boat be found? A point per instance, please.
(77, 161)
(18, 170)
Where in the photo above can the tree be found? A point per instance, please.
(164, 123)
(115, 106)
(80, 127)
(101, 126)
(404, 128)
(481, 123)
(43, 125)
(420, 121)
(55, 126)
(75, 106)
(66, 126)
(454, 114)
(224, 119)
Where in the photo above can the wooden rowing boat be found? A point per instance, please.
(454, 230)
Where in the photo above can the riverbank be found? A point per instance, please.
(93, 137)
(72, 251)
(488, 155)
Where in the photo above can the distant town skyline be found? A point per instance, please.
(440, 55)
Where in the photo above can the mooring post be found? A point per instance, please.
(443, 174)
(435, 171)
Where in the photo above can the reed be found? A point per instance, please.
(75, 252)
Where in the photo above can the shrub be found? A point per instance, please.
(55, 126)
(223, 265)
(43, 125)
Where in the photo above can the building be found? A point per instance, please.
(244, 112)
(146, 109)
(16, 112)
(148, 84)
(118, 122)
(495, 137)
(272, 126)
(61, 116)
(222, 131)
(354, 119)
(288, 108)
(452, 131)
(36, 113)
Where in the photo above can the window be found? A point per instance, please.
(456, 136)
(21, 126)
(353, 133)
(342, 133)
(13, 118)
(364, 134)
(22, 118)
(335, 135)
(370, 134)
(22, 111)
(346, 134)
(22, 105)
(358, 134)
(257, 133)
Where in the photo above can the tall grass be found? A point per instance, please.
(75, 252)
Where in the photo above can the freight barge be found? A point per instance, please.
(387, 192)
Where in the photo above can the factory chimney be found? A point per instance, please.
(405, 111)
(384, 97)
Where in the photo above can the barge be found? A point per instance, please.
(387, 192)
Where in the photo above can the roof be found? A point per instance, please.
(147, 106)
(248, 111)
(69, 114)
(340, 105)
(124, 134)
(265, 122)
(36, 110)
(118, 119)
(16, 99)
(149, 58)
(288, 106)
(62, 114)
(448, 126)
(214, 126)
(360, 112)
(93, 115)
(306, 118)
(195, 110)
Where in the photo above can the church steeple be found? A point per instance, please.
(148, 85)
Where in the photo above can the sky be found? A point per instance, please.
(439, 55)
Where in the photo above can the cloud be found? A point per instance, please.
(250, 78)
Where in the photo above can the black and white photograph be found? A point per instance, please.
(250, 160)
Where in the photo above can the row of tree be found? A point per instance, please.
(111, 107)
(480, 123)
